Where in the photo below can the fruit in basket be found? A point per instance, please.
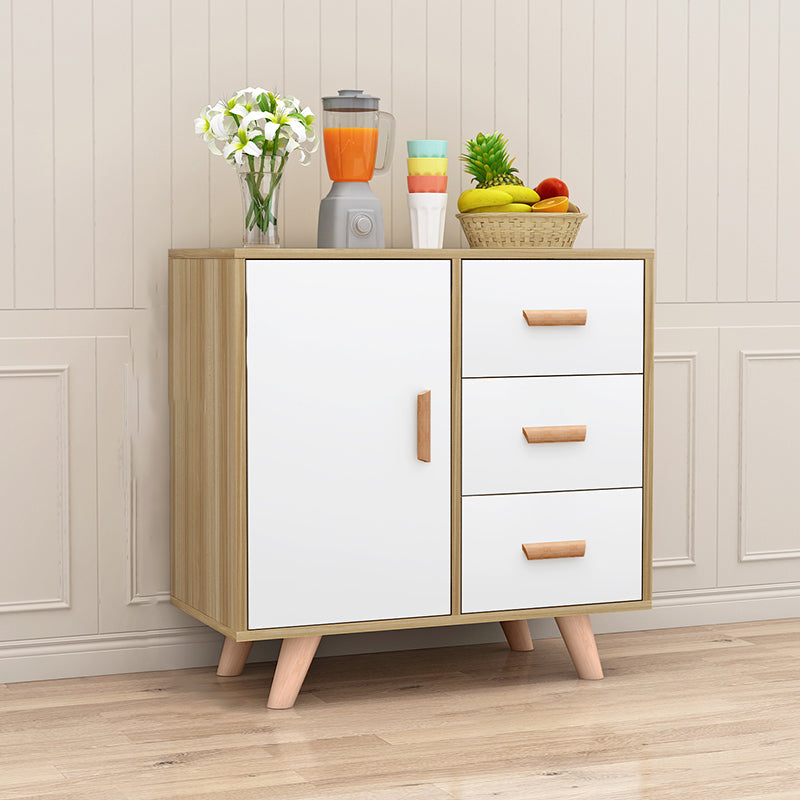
(477, 198)
(487, 161)
(553, 205)
(573, 209)
(522, 194)
(552, 187)
(509, 208)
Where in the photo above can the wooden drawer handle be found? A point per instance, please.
(555, 433)
(555, 316)
(424, 426)
(572, 549)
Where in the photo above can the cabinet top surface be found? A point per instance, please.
(286, 252)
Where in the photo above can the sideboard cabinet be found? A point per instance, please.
(368, 440)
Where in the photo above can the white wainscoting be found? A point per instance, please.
(676, 125)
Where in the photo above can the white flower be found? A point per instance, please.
(202, 126)
(240, 145)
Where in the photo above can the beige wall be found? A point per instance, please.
(676, 125)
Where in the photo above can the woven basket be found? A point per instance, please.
(534, 229)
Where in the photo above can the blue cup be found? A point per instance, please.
(427, 148)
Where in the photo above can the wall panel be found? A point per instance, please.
(6, 162)
(671, 151)
(113, 154)
(732, 152)
(48, 549)
(74, 154)
(152, 199)
(701, 175)
(32, 146)
(788, 269)
(759, 455)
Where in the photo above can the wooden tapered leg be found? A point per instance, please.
(293, 662)
(232, 658)
(518, 634)
(578, 637)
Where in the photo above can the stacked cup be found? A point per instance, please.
(427, 191)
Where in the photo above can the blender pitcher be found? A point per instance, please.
(351, 215)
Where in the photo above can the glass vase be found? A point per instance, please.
(260, 183)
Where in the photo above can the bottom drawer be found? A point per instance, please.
(496, 574)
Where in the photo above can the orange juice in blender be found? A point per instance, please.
(351, 215)
(350, 153)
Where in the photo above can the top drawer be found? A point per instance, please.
(498, 341)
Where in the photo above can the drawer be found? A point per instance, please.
(497, 458)
(496, 574)
(498, 341)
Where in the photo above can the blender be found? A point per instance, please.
(351, 215)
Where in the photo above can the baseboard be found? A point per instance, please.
(146, 651)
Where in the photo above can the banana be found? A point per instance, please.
(508, 208)
(521, 194)
(477, 198)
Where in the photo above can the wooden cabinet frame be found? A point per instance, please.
(208, 437)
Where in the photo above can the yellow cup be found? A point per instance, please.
(427, 166)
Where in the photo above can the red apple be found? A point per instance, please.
(552, 187)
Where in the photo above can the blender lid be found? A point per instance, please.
(350, 100)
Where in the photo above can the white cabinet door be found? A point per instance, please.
(345, 523)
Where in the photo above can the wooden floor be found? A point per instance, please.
(695, 713)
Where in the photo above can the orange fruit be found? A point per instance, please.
(555, 205)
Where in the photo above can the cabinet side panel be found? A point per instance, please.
(647, 454)
(207, 411)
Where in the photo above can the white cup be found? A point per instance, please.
(427, 212)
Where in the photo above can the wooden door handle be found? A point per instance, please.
(572, 549)
(555, 316)
(555, 433)
(424, 426)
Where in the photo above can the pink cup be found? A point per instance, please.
(427, 183)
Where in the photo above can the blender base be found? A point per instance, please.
(350, 216)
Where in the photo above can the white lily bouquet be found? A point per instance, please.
(259, 130)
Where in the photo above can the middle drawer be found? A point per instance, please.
(498, 459)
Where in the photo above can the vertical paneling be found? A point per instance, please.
(113, 154)
(374, 74)
(6, 162)
(577, 107)
(338, 57)
(265, 62)
(409, 34)
(151, 158)
(732, 189)
(544, 91)
(227, 73)
(190, 93)
(338, 53)
(640, 124)
(608, 201)
(671, 151)
(33, 154)
(73, 157)
(443, 93)
(762, 161)
(701, 201)
(477, 82)
(302, 184)
(511, 95)
(788, 267)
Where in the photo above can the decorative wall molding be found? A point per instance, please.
(746, 551)
(690, 359)
(60, 373)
